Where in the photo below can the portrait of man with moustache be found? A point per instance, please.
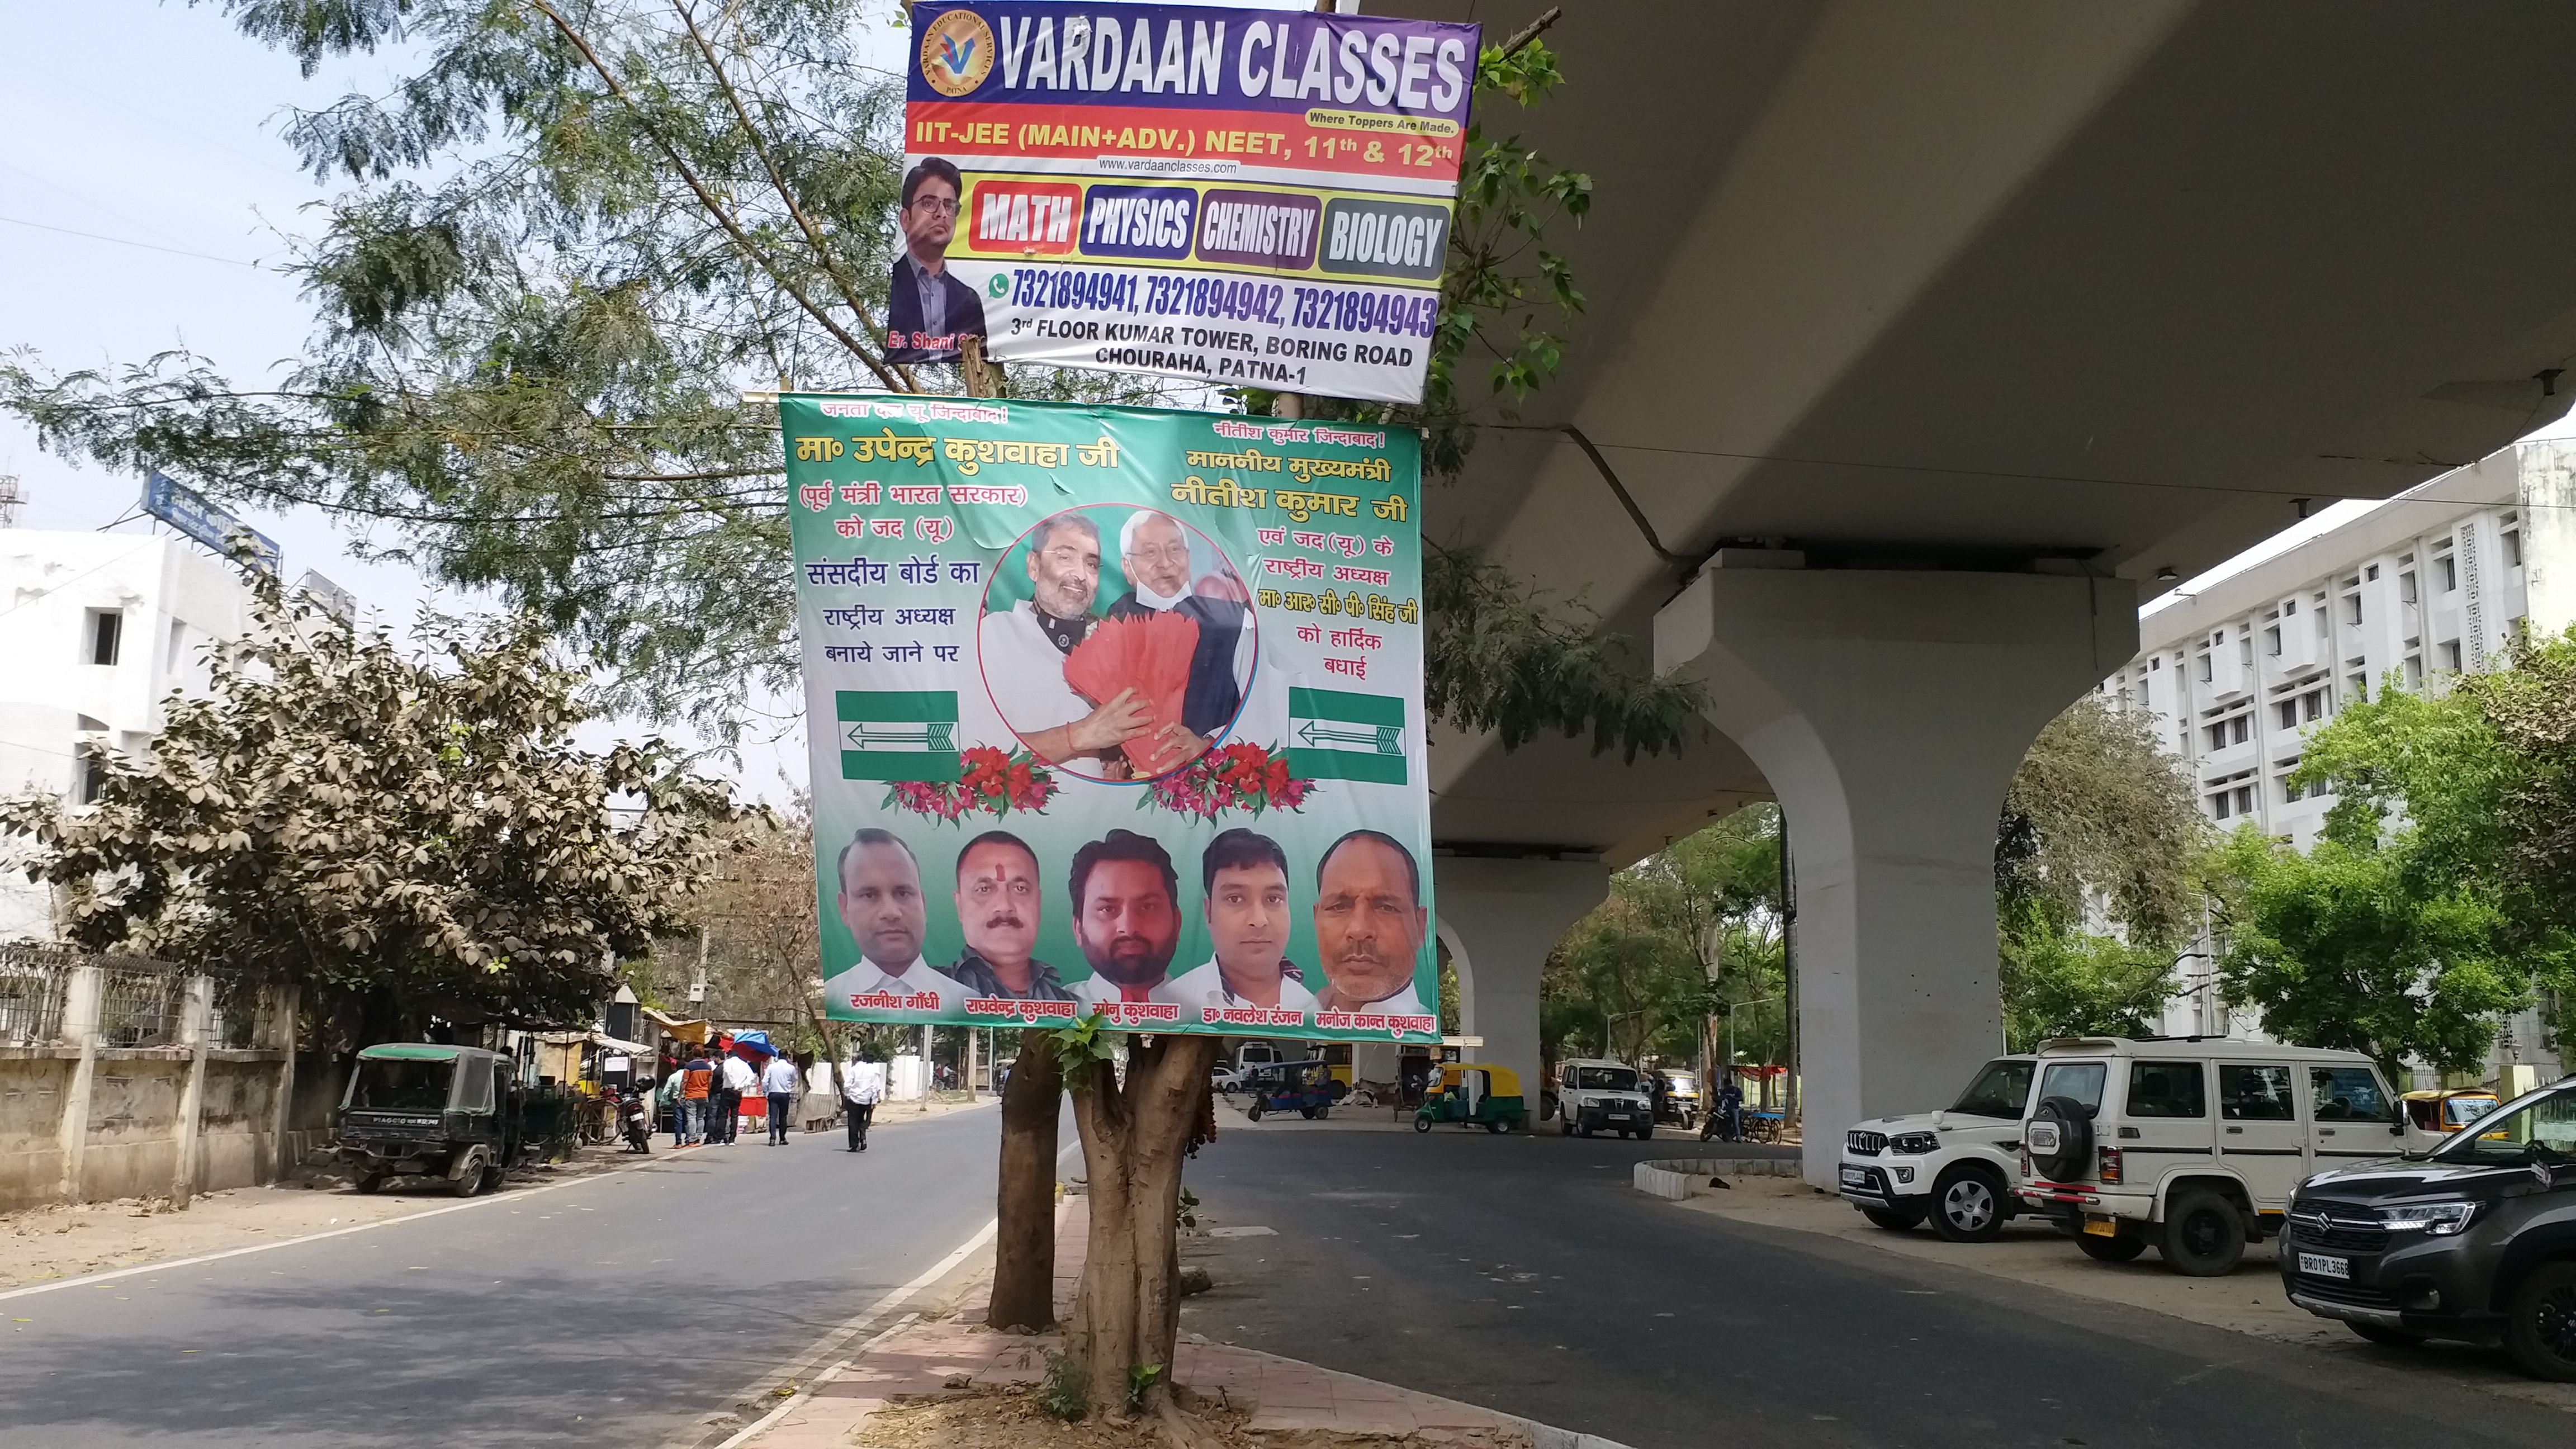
(1369, 925)
(880, 901)
(998, 907)
(1245, 877)
(1126, 917)
(1154, 550)
(1022, 648)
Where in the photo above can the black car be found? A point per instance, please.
(2475, 1240)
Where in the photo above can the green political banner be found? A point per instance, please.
(1114, 710)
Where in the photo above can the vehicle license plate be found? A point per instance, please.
(1616, 1116)
(2317, 1265)
(1855, 1177)
(2102, 1227)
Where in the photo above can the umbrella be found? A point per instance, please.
(756, 1040)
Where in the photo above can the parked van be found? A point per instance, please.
(2192, 1145)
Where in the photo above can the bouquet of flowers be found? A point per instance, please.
(1149, 654)
(1236, 777)
(990, 783)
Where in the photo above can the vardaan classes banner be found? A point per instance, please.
(1255, 198)
(1114, 708)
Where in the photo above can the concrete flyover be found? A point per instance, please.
(1922, 341)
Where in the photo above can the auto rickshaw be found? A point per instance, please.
(1474, 1094)
(2432, 1116)
(1303, 1087)
(419, 1109)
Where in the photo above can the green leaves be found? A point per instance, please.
(1498, 656)
(1086, 1043)
(2098, 808)
(404, 837)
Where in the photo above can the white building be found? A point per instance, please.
(96, 629)
(2429, 585)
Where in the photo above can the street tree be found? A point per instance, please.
(403, 838)
(577, 229)
(2394, 933)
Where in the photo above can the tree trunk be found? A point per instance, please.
(1134, 1136)
(1024, 1203)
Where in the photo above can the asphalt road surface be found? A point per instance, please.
(1525, 1274)
(614, 1310)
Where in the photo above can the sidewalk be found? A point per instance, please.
(956, 1355)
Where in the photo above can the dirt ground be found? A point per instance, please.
(2249, 1300)
(1012, 1419)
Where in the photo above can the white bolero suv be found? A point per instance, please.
(1954, 1167)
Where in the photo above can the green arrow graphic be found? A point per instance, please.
(933, 736)
(1385, 739)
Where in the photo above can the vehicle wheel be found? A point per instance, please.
(368, 1184)
(2122, 1249)
(1564, 1128)
(1968, 1205)
(1895, 1220)
(2202, 1236)
(1323, 1110)
(1645, 1132)
(1421, 1124)
(1582, 1131)
(493, 1173)
(1498, 1128)
(2540, 1327)
(470, 1181)
(1253, 1112)
(2385, 1336)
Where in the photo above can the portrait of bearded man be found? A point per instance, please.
(1127, 917)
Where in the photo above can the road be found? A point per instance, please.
(613, 1310)
(1527, 1275)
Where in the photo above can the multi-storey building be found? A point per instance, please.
(96, 629)
(2427, 586)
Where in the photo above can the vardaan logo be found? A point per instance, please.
(1385, 239)
(956, 52)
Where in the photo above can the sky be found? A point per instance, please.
(145, 200)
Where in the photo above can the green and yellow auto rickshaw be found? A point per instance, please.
(1474, 1094)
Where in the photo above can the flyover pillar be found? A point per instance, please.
(1888, 710)
(1499, 919)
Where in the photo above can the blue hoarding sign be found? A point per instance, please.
(187, 510)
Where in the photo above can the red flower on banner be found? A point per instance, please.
(1237, 777)
(989, 782)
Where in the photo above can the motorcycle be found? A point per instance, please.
(635, 1120)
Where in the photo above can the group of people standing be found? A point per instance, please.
(704, 1095)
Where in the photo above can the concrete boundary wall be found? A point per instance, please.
(125, 1090)
(1678, 1178)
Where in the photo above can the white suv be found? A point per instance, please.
(1596, 1096)
(2193, 1144)
(1954, 1167)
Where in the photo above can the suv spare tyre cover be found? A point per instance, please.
(2074, 1154)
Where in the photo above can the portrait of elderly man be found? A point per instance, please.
(1154, 550)
(997, 905)
(1369, 925)
(1245, 878)
(1126, 916)
(927, 309)
(880, 901)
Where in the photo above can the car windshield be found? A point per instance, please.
(2540, 1128)
(1604, 1079)
(2001, 1090)
(400, 1085)
(1682, 1081)
(2461, 1111)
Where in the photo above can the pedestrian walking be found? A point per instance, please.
(666, 1098)
(862, 1083)
(778, 1082)
(738, 1081)
(697, 1089)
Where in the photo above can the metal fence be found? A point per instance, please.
(141, 1002)
(33, 983)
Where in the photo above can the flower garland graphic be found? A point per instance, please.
(1237, 777)
(989, 783)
